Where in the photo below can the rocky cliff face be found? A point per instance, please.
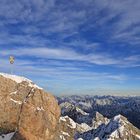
(26, 110)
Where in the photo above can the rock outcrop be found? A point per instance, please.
(26, 110)
(66, 129)
(98, 120)
(74, 112)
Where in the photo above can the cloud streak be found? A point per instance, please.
(73, 41)
(69, 54)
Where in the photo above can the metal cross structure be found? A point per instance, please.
(11, 60)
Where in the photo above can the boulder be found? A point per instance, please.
(27, 110)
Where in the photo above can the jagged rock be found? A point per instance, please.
(101, 128)
(27, 110)
(83, 127)
(98, 120)
(109, 106)
(66, 129)
(118, 128)
(74, 112)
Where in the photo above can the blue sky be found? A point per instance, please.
(73, 47)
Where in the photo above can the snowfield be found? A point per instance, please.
(19, 79)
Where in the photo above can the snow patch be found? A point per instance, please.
(138, 136)
(96, 138)
(7, 136)
(13, 93)
(119, 118)
(62, 137)
(62, 119)
(64, 133)
(81, 111)
(117, 132)
(19, 79)
(17, 102)
(40, 108)
(72, 123)
(84, 127)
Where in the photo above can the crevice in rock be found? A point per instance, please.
(32, 90)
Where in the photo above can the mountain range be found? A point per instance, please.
(30, 113)
(118, 118)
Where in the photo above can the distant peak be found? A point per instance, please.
(99, 114)
(119, 118)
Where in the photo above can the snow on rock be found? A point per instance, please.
(62, 137)
(40, 108)
(65, 133)
(17, 102)
(83, 127)
(96, 138)
(62, 119)
(31, 112)
(117, 133)
(13, 93)
(116, 128)
(98, 120)
(81, 111)
(72, 123)
(19, 79)
(138, 136)
(7, 136)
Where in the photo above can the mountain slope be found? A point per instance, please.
(108, 106)
(27, 112)
(118, 128)
(77, 114)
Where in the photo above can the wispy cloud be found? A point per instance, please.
(93, 41)
(70, 54)
(116, 18)
(64, 54)
(58, 71)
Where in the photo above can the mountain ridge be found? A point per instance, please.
(100, 127)
(27, 111)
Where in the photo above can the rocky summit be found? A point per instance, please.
(30, 113)
(27, 111)
(100, 127)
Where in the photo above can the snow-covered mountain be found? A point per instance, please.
(117, 128)
(108, 106)
(92, 125)
(29, 113)
(98, 120)
(74, 112)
